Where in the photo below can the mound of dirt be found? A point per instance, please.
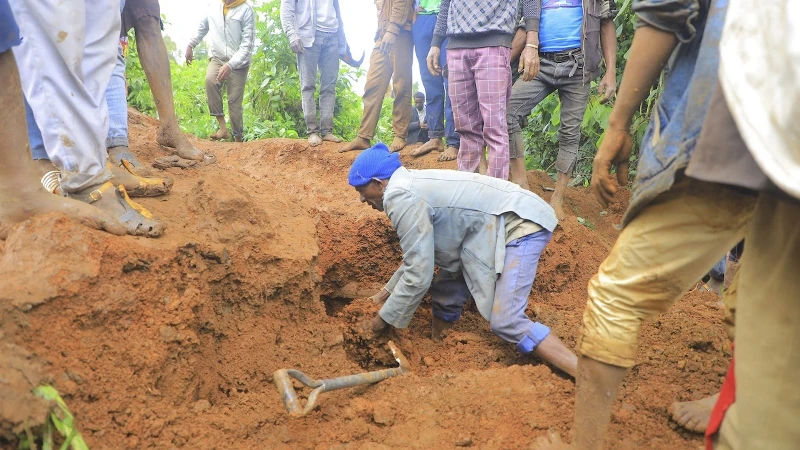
(267, 263)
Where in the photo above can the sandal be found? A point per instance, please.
(147, 186)
(137, 219)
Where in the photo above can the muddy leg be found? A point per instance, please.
(21, 194)
(153, 56)
(557, 200)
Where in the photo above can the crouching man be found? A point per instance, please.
(484, 234)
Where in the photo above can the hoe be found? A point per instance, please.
(283, 380)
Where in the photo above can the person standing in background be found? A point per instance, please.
(439, 109)
(231, 25)
(316, 35)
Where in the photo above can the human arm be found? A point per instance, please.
(412, 219)
(529, 58)
(401, 9)
(518, 43)
(649, 53)
(608, 42)
(202, 30)
(242, 56)
(288, 22)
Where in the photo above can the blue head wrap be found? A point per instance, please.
(374, 162)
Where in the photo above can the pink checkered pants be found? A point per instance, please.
(480, 87)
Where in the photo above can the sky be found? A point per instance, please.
(359, 17)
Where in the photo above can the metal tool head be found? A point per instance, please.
(283, 381)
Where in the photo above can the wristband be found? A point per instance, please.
(534, 46)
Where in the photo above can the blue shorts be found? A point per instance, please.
(9, 31)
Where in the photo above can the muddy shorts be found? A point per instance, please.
(135, 10)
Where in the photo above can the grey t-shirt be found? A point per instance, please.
(326, 17)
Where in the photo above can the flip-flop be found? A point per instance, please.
(117, 157)
(137, 219)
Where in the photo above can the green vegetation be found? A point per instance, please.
(60, 421)
(272, 100)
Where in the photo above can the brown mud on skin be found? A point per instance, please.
(172, 342)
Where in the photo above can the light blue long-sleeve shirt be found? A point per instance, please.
(452, 220)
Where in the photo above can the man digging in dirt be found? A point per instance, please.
(484, 234)
(21, 194)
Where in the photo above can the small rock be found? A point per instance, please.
(201, 405)
(169, 334)
(359, 428)
(464, 442)
(428, 361)
(681, 364)
(383, 414)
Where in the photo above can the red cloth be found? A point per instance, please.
(727, 395)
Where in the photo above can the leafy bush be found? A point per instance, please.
(272, 98)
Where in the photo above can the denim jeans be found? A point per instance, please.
(449, 292)
(117, 104)
(34, 135)
(437, 102)
(565, 77)
(323, 54)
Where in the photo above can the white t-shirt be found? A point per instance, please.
(326, 17)
(760, 75)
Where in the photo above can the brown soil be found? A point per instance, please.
(172, 342)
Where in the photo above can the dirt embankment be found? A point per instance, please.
(172, 342)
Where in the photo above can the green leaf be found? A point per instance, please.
(586, 223)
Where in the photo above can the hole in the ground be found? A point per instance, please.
(334, 305)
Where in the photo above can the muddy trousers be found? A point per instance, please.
(449, 291)
(235, 84)
(65, 62)
(767, 333)
(394, 67)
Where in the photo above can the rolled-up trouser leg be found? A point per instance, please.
(448, 292)
(214, 89)
(659, 255)
(237, 81)
(65, 67)
(574, 95)
(508, 320)
(768, 328)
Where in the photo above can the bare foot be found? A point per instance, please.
(550, 441)
(221, 135)
(439, 327)
(314, 140)
(450, 154)
(137, 185)
(330, 137)
(558, 206)
(28, 201)
(694, 415)
(177, 140)
(137, 220)
(397, 144)
(431, 145)
(357, 144)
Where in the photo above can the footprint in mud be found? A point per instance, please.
(360, 343)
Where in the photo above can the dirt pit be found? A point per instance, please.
(172, 343)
